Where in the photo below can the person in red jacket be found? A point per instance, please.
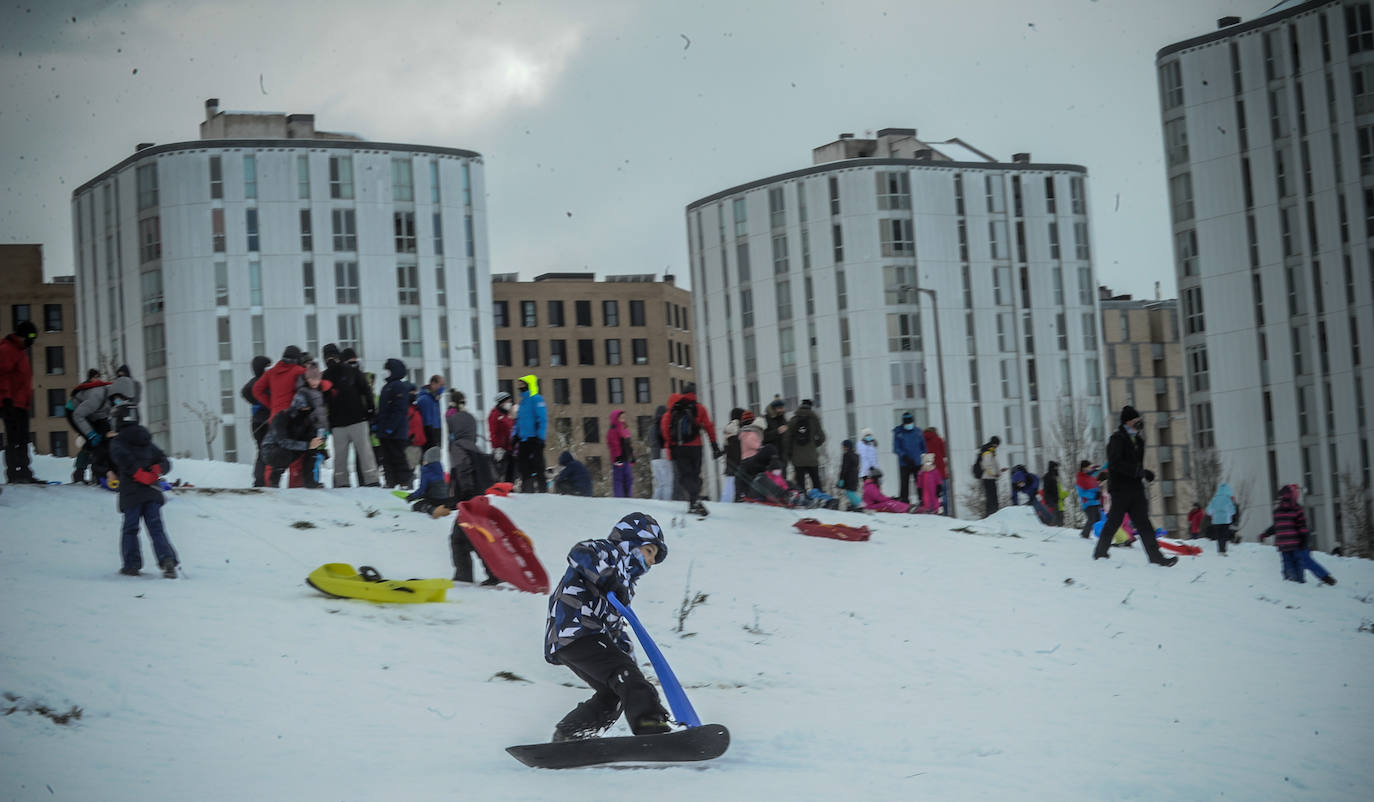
(415, 449)
(16, 396)
(276, 386)
(1195, 516)
(935, 444)
(682, 427)
(500, 424)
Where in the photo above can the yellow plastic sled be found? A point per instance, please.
(339, 579)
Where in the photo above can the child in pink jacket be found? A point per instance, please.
(928, 481)
(874, 498)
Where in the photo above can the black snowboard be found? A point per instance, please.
(696, 743)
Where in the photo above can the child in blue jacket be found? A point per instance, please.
(433, 495)
(586, 634)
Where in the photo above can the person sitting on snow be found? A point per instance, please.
(433, 496)
(573, 478)
(587, 634)
(874, 498)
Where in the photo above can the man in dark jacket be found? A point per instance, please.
(775, 428)
(573, 479)
(141, 466)
(802, 445)
(431, 414)
(1126, 476)
(350, 408)
(392, 424)
(686, 444)
(910, 447)
(849, 476)
(16, 396)
(260, 416)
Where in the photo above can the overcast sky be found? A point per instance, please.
(599, 120)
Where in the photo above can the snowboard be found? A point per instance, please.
(695, 743)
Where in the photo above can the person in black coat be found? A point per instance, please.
(573, 479)
(392, 424)
(350, 408)
(1126, 476)
(260, 415)
(140, 465)
(849, 476)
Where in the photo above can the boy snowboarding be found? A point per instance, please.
(585, 632)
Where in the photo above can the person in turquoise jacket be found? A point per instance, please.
(1222, 510)
(531, 424)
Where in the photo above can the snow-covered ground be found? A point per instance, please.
(924, 664)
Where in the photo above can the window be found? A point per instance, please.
(1176, 141)
(591, 433)
(404, 225)
(562, 392)
(147, 186)
(1049, 195)
(259, 334)
(503, 353)
(402, 180)
(1171, 85)
(636, 313)
(997, 239)
(55, 360)
(746, 308)
(531, 353)
(57, 403)
(1181, 197)
(904, 332)
(741, 220)
(226, 391)
(351, 333)
(586, 352)
(341, 177)
(346, 283)
(312, 334)
(1185, 251)
(837, 235)
(221, 284)
(440, 286)
(894, 190)
(307, 238)
(780, 262)
(250, 227)
(1080, 240)
(642, 394)
(500, 314)
(255, 285)
(898, 237)
(438, 233)
(434, 181)
(582, 310)
(57, 442)
(529, 314)
(589, 391)
(558, 353)
(555, 313)
(345, 230)
(1054, 240)
(151, 282)
(640, 351)
(995, 188)
(1089, 331)
(1193, 322)
(412, 346)
(783, 291)
(217, 230)
(613, 352)
(615, 390)
(1076, 198)
(1061, 328)
(303, 176)
(154, 346)
(226, 341)
(250, 175)
(1197, 370)
(216, 178)
(408, 285)
(610, 313)
(1359, 28)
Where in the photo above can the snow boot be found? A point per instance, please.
(169, 569)
(129, 571)
(439, 512)
(1329, 579)
(651, 724)
(1165, 561)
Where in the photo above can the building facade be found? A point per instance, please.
(1145, 369)
(897, 274)
(596, 346)
(52, 308)
(1269, 148)
(194, 257)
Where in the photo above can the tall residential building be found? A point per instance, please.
(1145, 370)
(52, 308)
(1269, 147)
(897, 274)
(596, 346)
(193, 257)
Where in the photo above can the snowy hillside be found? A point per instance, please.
(1001, 663)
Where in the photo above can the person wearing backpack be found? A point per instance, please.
(803, 440)
(682, 428)
(775, 428)
(910, 446)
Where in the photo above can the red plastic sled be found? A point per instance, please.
(1180, 548)
(814, 528)
(500, 489)
(507, 550)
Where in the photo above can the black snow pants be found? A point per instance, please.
(617, 683)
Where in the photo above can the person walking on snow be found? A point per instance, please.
(803, 440)
(909, 445)
(682, 428)
(141, 466)
(587, 635)
(531, 425)
(622, 456)
(1222, 510)
(1126, 477)
(1291, 536)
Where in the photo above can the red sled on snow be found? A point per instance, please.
(508, 551)
(1179, 548)
(814, 528)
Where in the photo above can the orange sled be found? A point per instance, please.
(813, 527)
(1180, 548)
(507, 550)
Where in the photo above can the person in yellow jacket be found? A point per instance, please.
(531, 427)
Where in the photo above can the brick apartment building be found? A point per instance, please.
(24, 295)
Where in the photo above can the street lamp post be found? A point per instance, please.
(944, 407)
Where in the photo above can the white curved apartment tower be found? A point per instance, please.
(822, 283)
(1269, 146)
(193, 257)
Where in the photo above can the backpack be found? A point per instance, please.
(801, 431)
(682, 422)
(978, 466)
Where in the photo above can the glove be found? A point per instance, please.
(148, 476)
(92, 437)
(1148, 474)
(715, 450)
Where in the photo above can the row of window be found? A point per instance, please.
(52, 316)
(341, 182)
(343, 230)
(678, 353)
(582, 314)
